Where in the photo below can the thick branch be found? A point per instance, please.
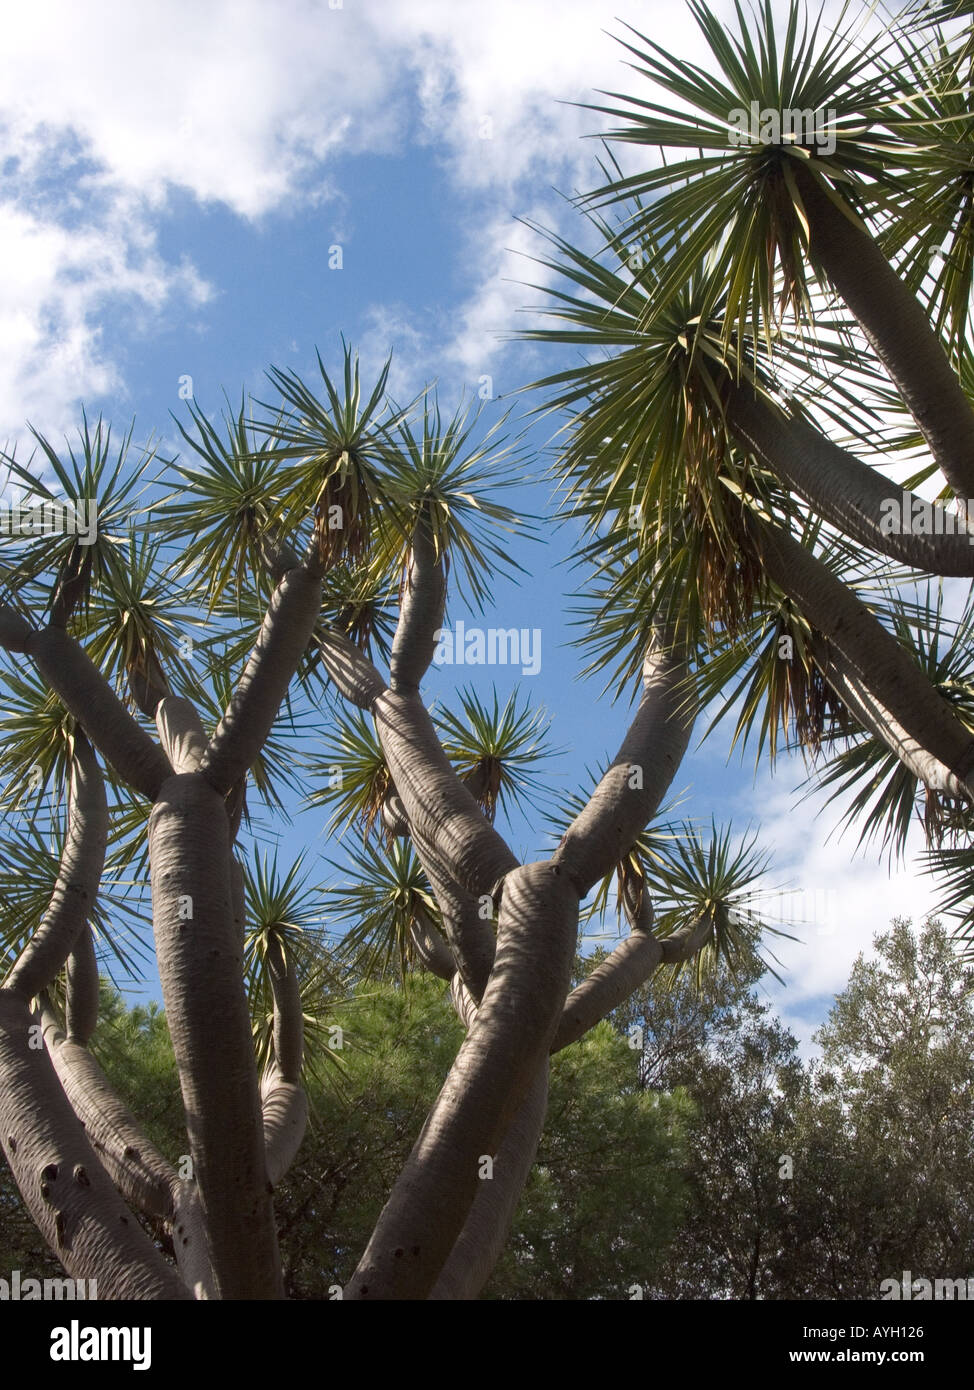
(81, 989)
(201, 969)
(449, 829)
(848, 494)
(420, 611)
(610, 984)
(136, 1167)
(485, 1232)
(468, 928)
(493, 1072)
(434, 954)
(686, 942)
(394, 819)
(148, 685)
(181, 733)
(899, 330)
(854, 692)
(189, 1244)
(285, 1110)
(86, 695)
(283, 640)
(351, 671)
(625, 970)
(630, 793)
(67, 1191)
(886, 669)
(288, 1011)
(79, 875)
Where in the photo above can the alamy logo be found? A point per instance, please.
(18, 1290)
(72, 517)
(495, 646)
(914, 516)
(77, 1343)
(917, 1290)
(799, 125)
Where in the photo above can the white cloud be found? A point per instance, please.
(236, 101)
(248, 104)
(844, 896)
(389, 328)
(54, 284)
(244, 103)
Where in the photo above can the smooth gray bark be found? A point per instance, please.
(188, 1231)
(622, 972)
(488, 1225)
(199, 953)
(284, 1106)
(283, 640)
(79, 876)
(493, 1072)
(136, 1167)
(67, 1191)
(433, 952)
(84, 693)
(630, 793)
(420, 611)
(181, 733)
(352, 673)
(846, 492)
(854, 691)
(448, 827)
(898, 329)
(874, 654)
(288, 1011)
(81, 990)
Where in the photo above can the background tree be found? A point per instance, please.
(820, 1180)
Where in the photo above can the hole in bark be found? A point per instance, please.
(45, 1191)
(185, 1240)
(11, 1143)
(124, 1220)
(49, 1172)
(81, 1177)
(132, 1153)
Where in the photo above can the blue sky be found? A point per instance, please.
(174, 180)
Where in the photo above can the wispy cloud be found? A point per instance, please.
(843, 897)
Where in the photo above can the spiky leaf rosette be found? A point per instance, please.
(334, 451)
(351, 775)
(233, 510)
(452, 470)
(697, 874)
(729, 193)
(384, 893)
(496, 750)
(82, 524)
(284, 915)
